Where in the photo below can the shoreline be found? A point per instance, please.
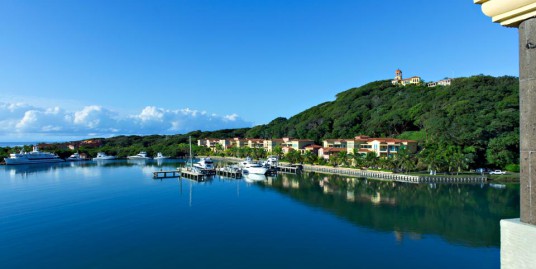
(381, 175)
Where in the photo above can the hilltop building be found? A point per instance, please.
(443, 82)
(399, 80)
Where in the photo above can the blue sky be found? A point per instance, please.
(76, 69)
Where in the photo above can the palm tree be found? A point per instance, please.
(371, 160)
(309, 157)
(357, 159)
(342, 157)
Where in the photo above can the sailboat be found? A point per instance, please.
(189, 165)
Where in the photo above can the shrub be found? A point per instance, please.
(512, 168)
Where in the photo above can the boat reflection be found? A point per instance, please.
(252, 178)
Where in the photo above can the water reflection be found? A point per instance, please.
(250, 178)
(463, 214)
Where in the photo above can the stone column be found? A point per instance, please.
(527, 134)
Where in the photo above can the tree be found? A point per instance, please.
(309, 157)
(343, 158)
(294, 156)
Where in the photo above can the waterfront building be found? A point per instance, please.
(270, 144)
(313, 148)
(239, 142)
(297, 144)
(326, 153)
(399, 80)
(255, 143)
(383, 147)
(335, 143)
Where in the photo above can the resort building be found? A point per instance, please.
(399, 80)
(335, 143)
(443, 82)
(270, 144)
(383, 147)
(296, 144)
(313, 148)
(326, 153)
(255, 143)
(239, 142)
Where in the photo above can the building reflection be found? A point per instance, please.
(464, 214)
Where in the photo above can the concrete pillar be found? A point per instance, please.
(527, 135)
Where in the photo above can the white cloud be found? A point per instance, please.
(23, 120)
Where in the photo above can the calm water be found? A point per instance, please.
(90, 215)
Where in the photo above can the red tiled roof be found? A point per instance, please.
(337, 139)
(328, 150)
(313, 146)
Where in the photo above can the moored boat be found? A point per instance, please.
(33, 157)
(103, 156)
(250, 167)
(140, 156)
(75, 157)
(160, 156)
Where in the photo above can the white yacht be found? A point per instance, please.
(140, 156)
(160, 156)
(270, 162)
(205, 163)
(75, 158)
(35, 156)
(251, 167)
(103, 156)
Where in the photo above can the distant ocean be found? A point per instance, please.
(15, 144)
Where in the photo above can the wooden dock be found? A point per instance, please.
(192, 174)
(166, 174)
(289, 169)
(395, 177)
(230, 174)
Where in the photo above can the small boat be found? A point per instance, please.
(250, 167)
(160, 156)
(205, 163)
(230, 169)
(103, 156)
(75, 158)
(140, 156)
(33, 157)
(206, 166)
(271, 162)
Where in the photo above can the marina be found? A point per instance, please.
(192, 222)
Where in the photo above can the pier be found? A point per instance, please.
(395, 177)
(192, 174)
(166, 174)
(230, 174)
(289, 169)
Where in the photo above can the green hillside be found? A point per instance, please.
(472, 123)
(478, 114)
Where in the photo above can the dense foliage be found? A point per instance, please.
(472, 123)
(478, 116)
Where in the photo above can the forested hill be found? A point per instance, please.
(479, 113)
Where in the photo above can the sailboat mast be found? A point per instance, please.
(190, 137)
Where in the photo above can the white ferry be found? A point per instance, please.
(35, 156)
